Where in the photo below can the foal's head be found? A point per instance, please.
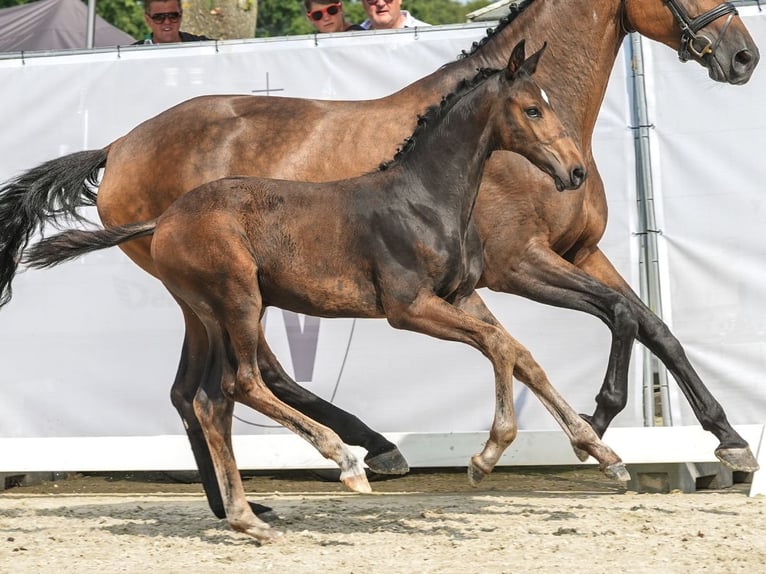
(528, 125)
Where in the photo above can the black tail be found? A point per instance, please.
(50, 193)
(75, 242)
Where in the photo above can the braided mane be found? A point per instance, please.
(437, 111)
(515, 9)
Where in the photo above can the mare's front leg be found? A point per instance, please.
(733, 451)
(192, 369)
(382, 457)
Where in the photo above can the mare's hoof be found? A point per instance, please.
(738, 459)
(617, 471)
(388, 462)
(356, 483)
(581, 455)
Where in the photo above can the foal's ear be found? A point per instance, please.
(517, 63)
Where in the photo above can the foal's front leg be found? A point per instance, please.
(473, 324)
(528, 371)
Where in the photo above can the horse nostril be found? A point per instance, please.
(743, 57)
(577, 176)
(743, 64)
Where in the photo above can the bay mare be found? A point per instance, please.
(398, 243)
(539, 243)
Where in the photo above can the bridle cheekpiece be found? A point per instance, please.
(693, 42)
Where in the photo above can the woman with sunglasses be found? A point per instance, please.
(164, 20)
(327, 16)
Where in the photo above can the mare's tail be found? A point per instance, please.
(48, 193)
(71, 244)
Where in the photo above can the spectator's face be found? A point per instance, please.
(330, 17)
(168, 12)
(384, 13)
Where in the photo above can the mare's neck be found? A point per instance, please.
(583, 41)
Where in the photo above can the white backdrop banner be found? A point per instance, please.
(89, 349)
(711, 209)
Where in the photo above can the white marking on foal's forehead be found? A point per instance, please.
(545, 97)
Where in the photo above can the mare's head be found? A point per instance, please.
(708, 31)
(529, 126)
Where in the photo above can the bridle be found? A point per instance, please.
(693, 43)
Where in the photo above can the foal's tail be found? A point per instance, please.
(71, 244)
(50, 192)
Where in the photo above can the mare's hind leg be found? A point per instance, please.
(733, 450)
(529, 372)
(383, 456)
(192, 369)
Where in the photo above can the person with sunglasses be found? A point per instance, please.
(164, 20)
(387, 14)
(327, 16)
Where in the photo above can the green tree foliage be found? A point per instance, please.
(127, 15)
(283, 17)
(287, 17)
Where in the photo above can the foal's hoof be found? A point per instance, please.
(265, 534)
(388, 462)
(265, 513)
(356, 482)
(475, 472)
(738, 459)
(617, 471)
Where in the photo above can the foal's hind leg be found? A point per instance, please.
(191, 371)
(529, 372)
(383, 456)
(213, 410)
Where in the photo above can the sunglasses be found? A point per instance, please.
(374, 2)
(317, 15)
(160, 18)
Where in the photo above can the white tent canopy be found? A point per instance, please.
(54, 25)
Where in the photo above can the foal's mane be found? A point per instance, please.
(515, 9)
(435, 112)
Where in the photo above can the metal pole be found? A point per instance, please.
(649, 259)
(90, 31)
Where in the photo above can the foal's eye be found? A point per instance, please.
(533, 112)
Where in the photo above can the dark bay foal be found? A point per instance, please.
(398, 243)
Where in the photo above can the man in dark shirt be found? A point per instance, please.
(164, 20)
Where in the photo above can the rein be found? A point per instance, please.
(692, 42)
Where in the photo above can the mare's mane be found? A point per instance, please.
(515, 9)
(435, 112)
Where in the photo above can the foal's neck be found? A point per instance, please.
(447, 154)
